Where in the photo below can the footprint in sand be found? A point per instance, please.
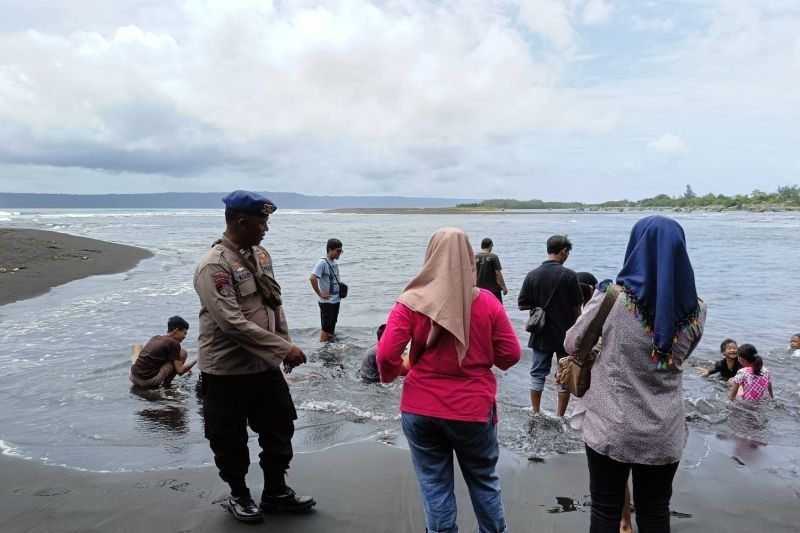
(51, 492)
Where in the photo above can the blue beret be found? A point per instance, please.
(249, 203)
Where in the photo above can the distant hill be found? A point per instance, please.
(211, 200)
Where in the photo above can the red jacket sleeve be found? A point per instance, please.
(507, 350)
(393, 341)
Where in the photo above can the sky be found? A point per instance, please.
(586, 100)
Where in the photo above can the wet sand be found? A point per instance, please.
(371, 487)
(34, 261)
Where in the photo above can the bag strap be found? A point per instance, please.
(596, 325)
(553, 292)
(335, 275)
(268, 286)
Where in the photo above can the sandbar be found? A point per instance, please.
(34, 261)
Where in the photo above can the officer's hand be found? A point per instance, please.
(325, 295)
(294, 358)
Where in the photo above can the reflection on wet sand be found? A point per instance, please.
(164, 415)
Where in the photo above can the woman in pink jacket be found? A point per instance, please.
(457, 333)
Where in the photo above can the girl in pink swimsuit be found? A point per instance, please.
(754, 378)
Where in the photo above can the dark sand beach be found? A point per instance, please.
(366, 486)
(34, 261)
(371, 487)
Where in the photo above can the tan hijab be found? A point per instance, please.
(445, 288)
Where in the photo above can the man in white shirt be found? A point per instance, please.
(325, 282)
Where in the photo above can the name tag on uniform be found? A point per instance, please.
(241, 275)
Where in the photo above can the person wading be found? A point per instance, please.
(554, 288)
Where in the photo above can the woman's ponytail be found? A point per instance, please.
(757, 364)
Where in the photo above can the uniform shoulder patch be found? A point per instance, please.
(223, 284)
(264, 260)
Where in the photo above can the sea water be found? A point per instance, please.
(65, 355)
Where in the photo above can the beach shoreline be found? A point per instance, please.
(369, 486)
(34, 261)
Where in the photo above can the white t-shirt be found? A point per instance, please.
(327, 281)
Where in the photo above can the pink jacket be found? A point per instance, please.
(436, 386)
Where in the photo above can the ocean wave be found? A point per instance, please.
(127, 214)
(341, 407)
(11, 451)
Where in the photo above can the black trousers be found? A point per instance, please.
(328, 316)
(652, 490)
(262, 401)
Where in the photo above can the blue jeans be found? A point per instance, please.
(540, 368)
(432, 442)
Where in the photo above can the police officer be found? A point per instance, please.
(244, 340)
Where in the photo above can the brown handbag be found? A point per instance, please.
(574, 371)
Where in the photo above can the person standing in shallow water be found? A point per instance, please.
(554, 288)
(633, 416)
(325, 282)
(457, 333)
(489, 271)
(244, 340)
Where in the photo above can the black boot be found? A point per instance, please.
(278, 497)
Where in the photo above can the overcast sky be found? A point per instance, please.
(585, 100)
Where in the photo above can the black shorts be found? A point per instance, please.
(328, 315)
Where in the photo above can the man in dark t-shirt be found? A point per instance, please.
(489, 271)
(554, 288)
(162, 358)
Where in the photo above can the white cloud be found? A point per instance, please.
(549, 19)
(797, 54)
(668, 144)
(462, 98)
(596, 12)
(658, 25)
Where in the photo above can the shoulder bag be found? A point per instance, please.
(536, 320)
(574, 372)
(342, 286)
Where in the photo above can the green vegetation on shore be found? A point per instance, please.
(785, 197)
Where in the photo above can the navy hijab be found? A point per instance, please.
(658, 273)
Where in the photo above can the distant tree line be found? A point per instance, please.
(786, 196)
(522, 204)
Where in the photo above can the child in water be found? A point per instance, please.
(754, 377)
(369, 366)
(794, 345)
(728, 366)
